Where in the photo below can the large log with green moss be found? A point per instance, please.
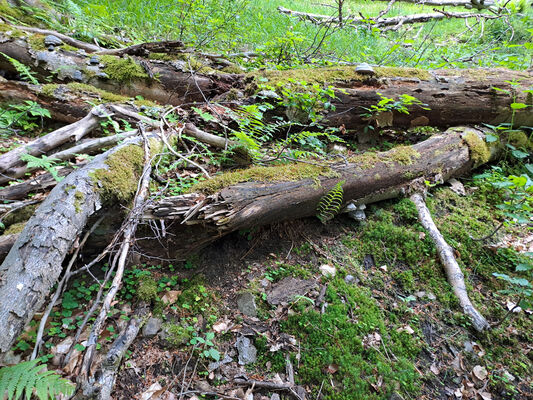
(35, 261)
(453, 97)
(264, 195)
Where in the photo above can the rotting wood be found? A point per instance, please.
(454, 274)
(367, 178)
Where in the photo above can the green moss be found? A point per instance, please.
(147, 289)
(124, 70)
(36, 41)
(279, 173)
(340, 336)
(79, 198)
(519, 139)
(162, 57)
(20, 215)
(479, 151)
(119, 181)
(177, 334)
(76, 87)
(232, 69)
(404, 155)
(15, 228)
(18, 14)
(329, 75)
(406, 279)
(366, 160)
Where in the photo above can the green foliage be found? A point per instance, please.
(23, 70)
(147, 290)
(21, 380)
(43, 162)
(206, 346)
(22, 116)
(330, 204)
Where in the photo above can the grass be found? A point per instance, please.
(251, 25)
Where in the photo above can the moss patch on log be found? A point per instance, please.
(479, 151)
(281, 173)
(124, 70)
(334, 74)
(119, 181)
(519, 139)
(15, 228)
(403, 155)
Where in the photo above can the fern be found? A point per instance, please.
(330, 204)
(23, 378)
(23, 70)
(44, 162)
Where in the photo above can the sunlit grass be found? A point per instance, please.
(251, 25)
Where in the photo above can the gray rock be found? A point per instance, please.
(10, 358)
(275, 396)
(246, 304)
(215, 365)
(152, 327)
(350, 279)
(288, 288)
(268, 94)
(51, 41)
(247, 351)
(94, 60)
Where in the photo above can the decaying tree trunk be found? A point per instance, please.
(454, 97)
(35, 261)
(365, 179)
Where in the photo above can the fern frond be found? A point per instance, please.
(21, 379)
(23, 70)
(330, 204)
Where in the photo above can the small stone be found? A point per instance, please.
(94, 60)
(328, 270)
(215, 365)
(508, 376)
(10, 358)
(275, 396)
(431, 296)
(265, 283)
(268, 94)
(246, 304)
(420, 294)
(152, 327)
(364, 69)
(350, 279)
(51, 41)
(288, 288)
(247, 351)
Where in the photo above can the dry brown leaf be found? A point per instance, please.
(480, 372)
(170, 297)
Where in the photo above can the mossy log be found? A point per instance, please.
(35, 261)
(454, 97)
(265, 195)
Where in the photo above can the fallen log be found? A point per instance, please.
(381, 22)
(265, 195)
(11, 164)
(480, 5)
(35, 261)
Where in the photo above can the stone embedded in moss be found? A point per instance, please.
(119, 181)
(479, 151)
(124, 70)
(279, 173)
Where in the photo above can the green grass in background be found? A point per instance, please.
(248, 25)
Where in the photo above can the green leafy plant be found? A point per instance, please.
(22, 379)
(206, 346)
(43, 162)
(330, 204)
(23, 70)
(22, 116)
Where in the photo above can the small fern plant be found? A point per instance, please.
(23, 70)
(43, 162)
(330, 204)
(28, 378)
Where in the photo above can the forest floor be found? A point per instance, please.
(386, 326)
